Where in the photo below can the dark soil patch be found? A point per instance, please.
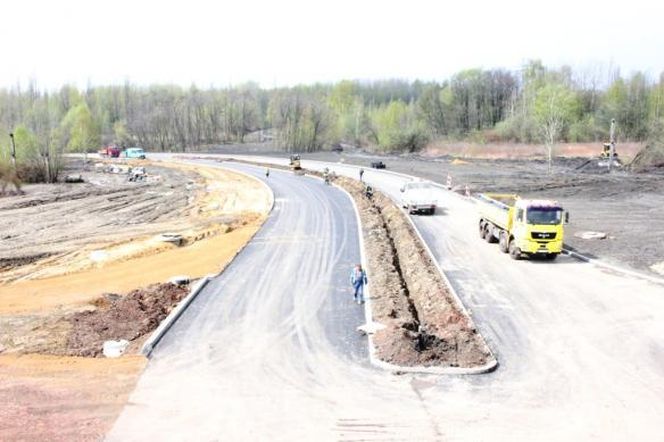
(10, 263)
(129, 317)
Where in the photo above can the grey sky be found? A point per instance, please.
(293, 41)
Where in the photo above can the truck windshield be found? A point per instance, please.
(553, 215)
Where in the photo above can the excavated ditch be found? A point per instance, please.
(424, 324)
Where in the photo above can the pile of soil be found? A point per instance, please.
(129, 317)
(650, 157)
(425, 326)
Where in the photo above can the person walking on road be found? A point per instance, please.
(358, 279)
(361, 173)
(267, 172)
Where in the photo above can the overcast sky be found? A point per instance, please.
(284, 42)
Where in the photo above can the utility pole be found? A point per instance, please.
(11, 135)
(612, 142)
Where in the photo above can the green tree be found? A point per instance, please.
(83, 134)
(555, 106)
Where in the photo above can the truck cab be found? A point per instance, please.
(537, 227)
(522, 226)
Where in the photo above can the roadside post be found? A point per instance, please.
(11, 135)
(612, 142)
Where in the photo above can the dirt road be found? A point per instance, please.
(63, 399)
(580, 352)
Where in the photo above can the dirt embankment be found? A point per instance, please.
(424, 324)
(64, 244)
(132, 317)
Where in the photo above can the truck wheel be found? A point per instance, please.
(481, 230)
(488, 234)
(551, 256)
(503, 242)
(515, 252)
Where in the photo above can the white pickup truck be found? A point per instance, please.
(419, 197)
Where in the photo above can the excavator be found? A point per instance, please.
(609, 157)
(294, 162)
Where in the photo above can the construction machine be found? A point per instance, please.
(609, 157)
(294, 162)
(521, 226)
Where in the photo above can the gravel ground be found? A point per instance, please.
(627, 206)
(52, 220)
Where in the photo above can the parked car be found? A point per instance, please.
(337, 148)
(111, 151)
(133, 152)
(418, 197)
(378, 165)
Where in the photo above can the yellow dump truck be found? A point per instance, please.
(521, 226)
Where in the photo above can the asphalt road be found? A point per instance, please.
(269, 350)
(580, 349)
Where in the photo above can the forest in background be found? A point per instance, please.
(535, 104)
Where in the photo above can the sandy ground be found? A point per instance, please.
(63, 399)
(199, 259)
(64, 246)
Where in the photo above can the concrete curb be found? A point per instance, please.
(492, 364)
(173, 316)
(167, 323)
(601, 264)
(373, 358)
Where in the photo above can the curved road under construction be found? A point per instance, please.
(269, 349)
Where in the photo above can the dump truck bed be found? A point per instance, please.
(496, 207)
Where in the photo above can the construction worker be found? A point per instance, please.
(326, 175)
(368, 191)
(358, 278)
(361, 173)
(267, 172)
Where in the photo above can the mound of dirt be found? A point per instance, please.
(425, 326)
(650, 157)
(130, 317)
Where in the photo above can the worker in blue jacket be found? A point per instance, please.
(358, 278)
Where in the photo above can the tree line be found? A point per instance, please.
(533, 104)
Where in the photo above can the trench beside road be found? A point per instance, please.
(580, 349)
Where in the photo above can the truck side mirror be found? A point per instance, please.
(566, 217)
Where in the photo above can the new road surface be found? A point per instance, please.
(581, 350)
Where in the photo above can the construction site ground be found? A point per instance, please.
(623, 204)
(81, 263)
